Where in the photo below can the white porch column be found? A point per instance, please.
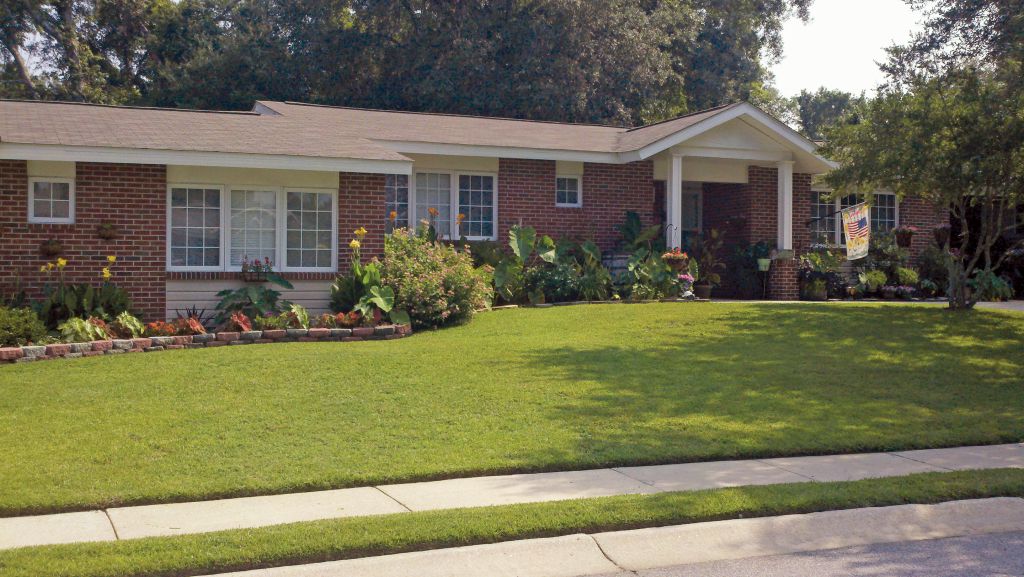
(785, 239)
(674, 203)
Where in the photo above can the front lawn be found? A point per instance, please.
(519, 390)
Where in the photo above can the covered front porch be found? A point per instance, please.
(749, 178)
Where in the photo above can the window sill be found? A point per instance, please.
(557, 205)
(237, 276)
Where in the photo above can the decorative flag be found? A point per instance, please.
(857, 225)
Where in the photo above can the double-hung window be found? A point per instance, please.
(827, 221)
(458, 204)
(217, 228)
(51, 200)
(567, 191)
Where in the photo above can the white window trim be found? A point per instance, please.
(579, 191)
(32, 218)
(223, 220)
(453, 199)
(280, 250)
(282, 233)
(838, 217)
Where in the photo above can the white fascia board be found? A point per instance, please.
(406, 147)
(15, 151)
(734, 153)
(777, 129)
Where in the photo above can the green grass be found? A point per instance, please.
(517, 390)
(359, 537)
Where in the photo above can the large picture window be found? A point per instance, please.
(449, 194)
(253, 226)
(826, 229)
(295, 229)
(195, 224)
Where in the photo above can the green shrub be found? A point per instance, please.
(932, 266)
(19, 327)
(434, 283)
(988, 286)
(907, 277)
(559, 282)
(67, 301)
(873, 280)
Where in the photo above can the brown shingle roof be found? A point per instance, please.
(306, 130)
(72, 124)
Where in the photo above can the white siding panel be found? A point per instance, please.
(315, 295)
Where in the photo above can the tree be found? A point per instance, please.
(608, 61)
(955, 139)
(823, 108)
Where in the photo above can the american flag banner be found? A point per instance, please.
(857, 225)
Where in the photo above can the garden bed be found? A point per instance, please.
(156, 344)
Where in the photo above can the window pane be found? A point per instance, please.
(253, 226)
(691, 211)
(60, 191)
(567, 190)
(309, 226)
(883, 212)
(823, 224)
(41, 191)
(434, 191)
(41, 209)
(476, 204)
(195, 227)
(60, 209)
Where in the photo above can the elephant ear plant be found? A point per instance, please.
(253, 300)
(362, 289)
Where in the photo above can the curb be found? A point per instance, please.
(610, 553)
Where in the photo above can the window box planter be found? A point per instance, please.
(254, 276)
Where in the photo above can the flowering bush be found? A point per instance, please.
(161, 329)
(435, 283)
(685, 282)
(19, 327)
(63, 301)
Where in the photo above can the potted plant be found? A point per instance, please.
(708, 265)
(256, 270)
(51, 247)
(762, 251)
(676, 259)
(942, 233)
(107, 231)
(904, 235)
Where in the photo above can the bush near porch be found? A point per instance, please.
(516, 390)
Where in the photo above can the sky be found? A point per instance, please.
(839, 46)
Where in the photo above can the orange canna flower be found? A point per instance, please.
(394, 215)
(432, 211)
(460, 217)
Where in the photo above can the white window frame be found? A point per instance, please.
(281, 225)
(838, 216)
(282, 233)
(579, 191)
(223, 222)
(32, 218)
(453, 199)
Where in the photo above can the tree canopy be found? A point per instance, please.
(607, 61)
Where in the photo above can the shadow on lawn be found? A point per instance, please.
(795, 379)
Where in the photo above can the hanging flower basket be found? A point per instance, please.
(677, 260)
(904, 235)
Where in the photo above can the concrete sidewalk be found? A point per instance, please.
(249, 512)
(626, 552)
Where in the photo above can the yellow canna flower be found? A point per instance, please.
(111, 259)
(49, 266)
(354, 244)
(61, 263)
(460, 217)
(43, 268)
(106, 273)
(360, 232)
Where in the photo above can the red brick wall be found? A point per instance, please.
(131, 197)
(361, 203)
(526, 195)
(925, 216)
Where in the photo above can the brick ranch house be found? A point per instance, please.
(191, 193)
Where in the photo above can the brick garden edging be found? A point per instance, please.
(155, 344)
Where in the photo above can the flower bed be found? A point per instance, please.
(155, 344)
